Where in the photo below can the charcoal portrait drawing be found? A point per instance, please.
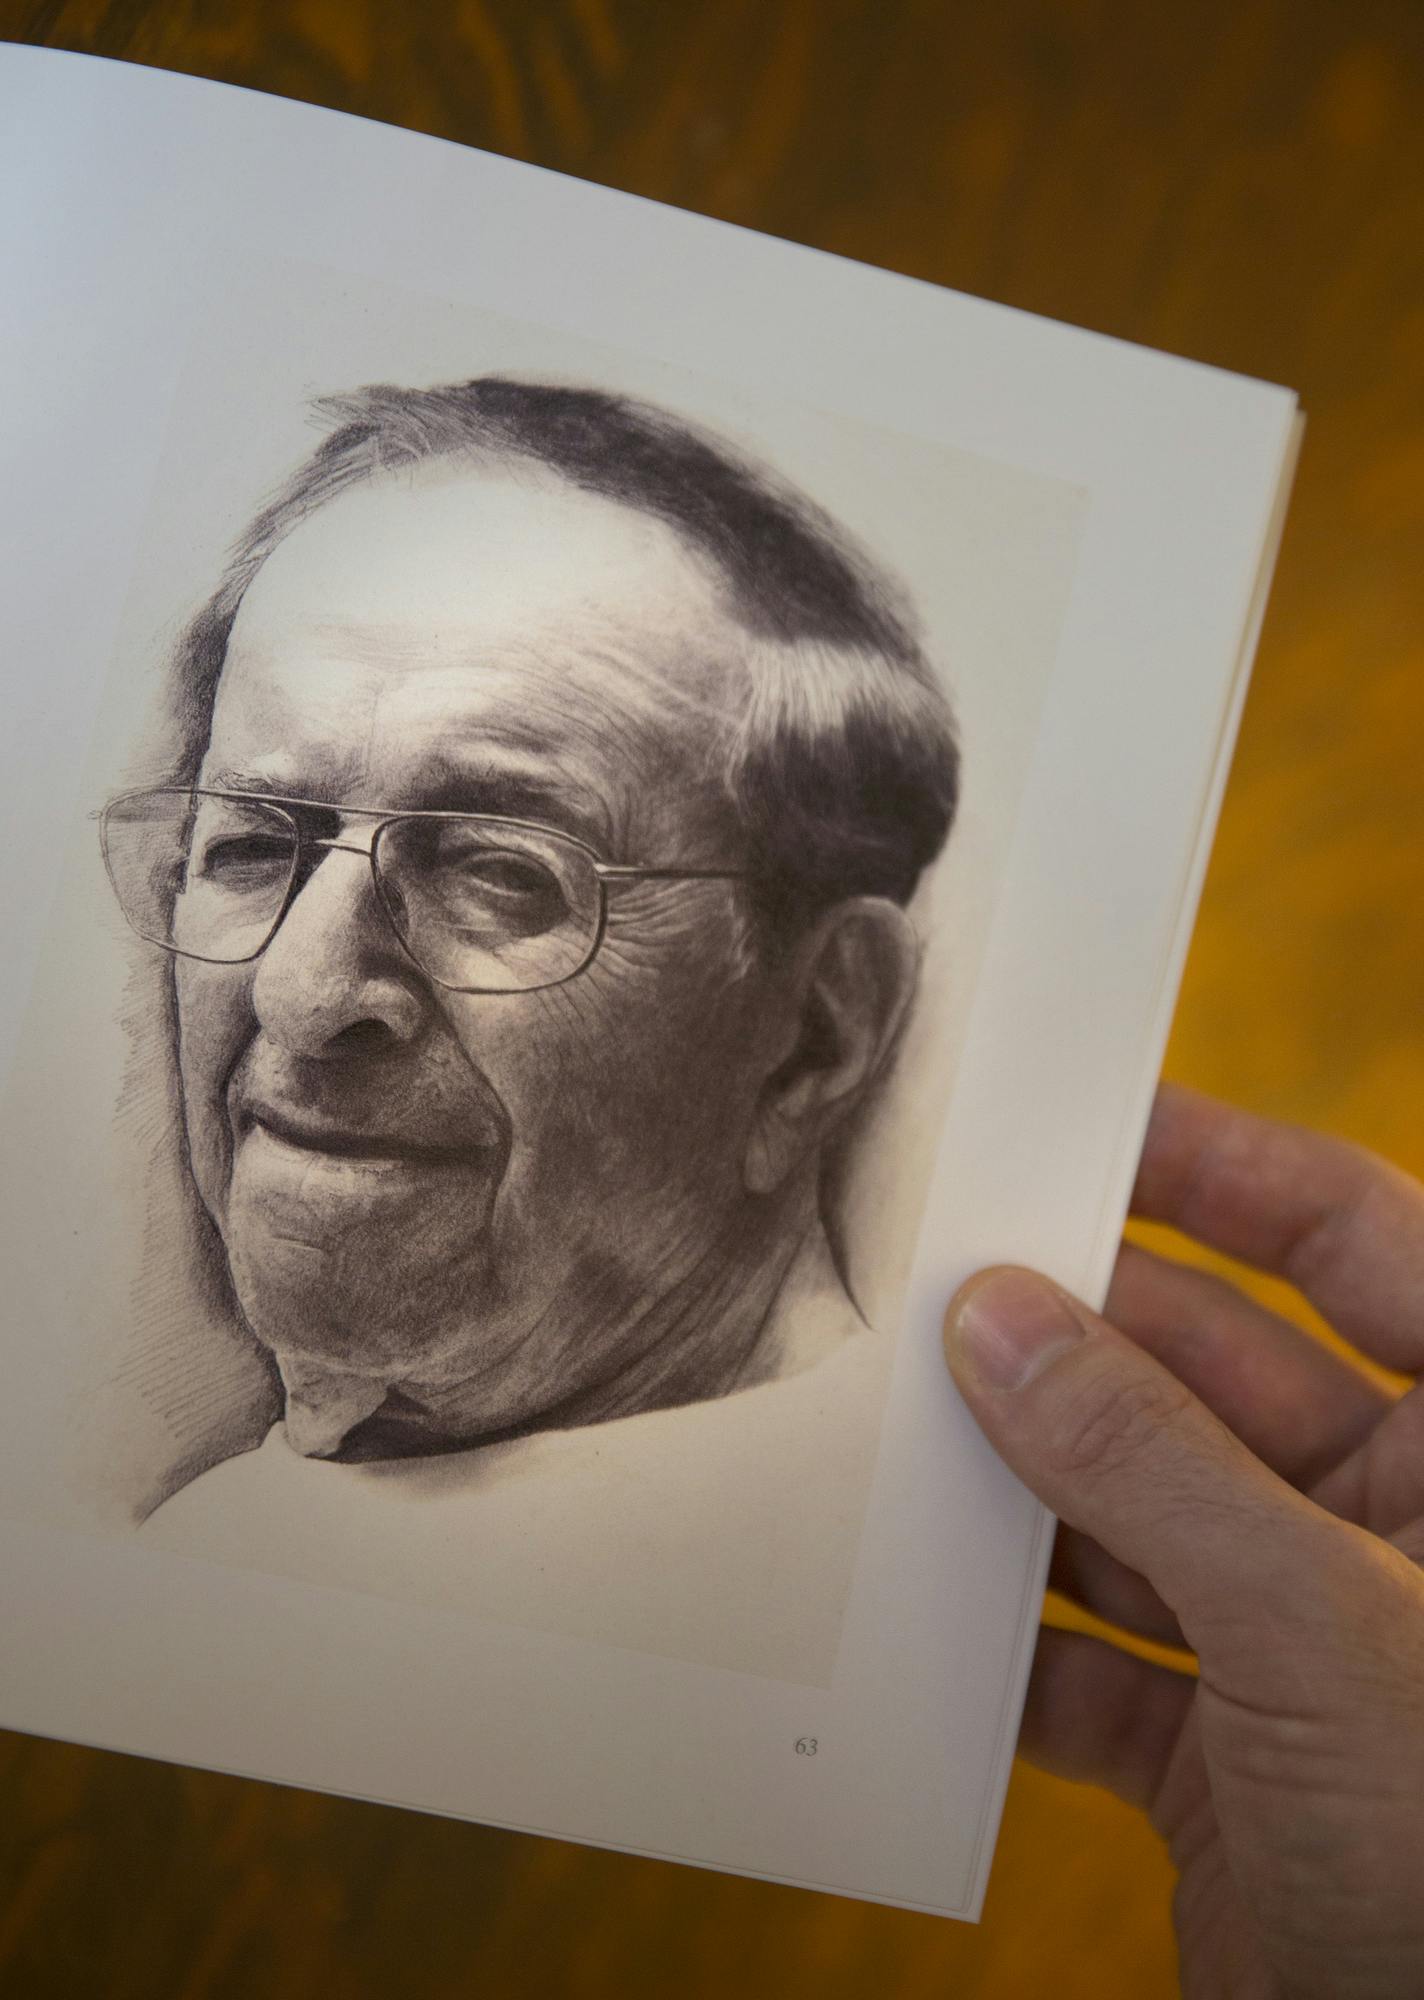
(531, 890)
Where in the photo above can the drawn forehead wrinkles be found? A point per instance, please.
(582, 689)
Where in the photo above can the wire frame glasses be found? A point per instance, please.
(481, 904)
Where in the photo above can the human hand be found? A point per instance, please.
(1228, 1484)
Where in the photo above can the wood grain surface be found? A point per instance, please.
(1241, 181)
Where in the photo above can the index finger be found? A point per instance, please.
(1340, 1224)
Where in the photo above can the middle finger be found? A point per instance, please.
(1299, 1407)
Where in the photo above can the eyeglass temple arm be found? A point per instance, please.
(623, 872)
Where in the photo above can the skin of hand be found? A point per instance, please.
(1229, 1484)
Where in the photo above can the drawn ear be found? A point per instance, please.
(855, 975)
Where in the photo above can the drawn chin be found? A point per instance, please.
(335, 1253)
(357, 1299)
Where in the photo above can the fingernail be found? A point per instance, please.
(1008, 1328)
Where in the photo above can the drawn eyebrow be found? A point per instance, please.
(517, 790)
(264, 785)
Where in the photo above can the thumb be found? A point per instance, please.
(1118, 1447)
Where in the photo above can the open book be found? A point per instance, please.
(599, 809)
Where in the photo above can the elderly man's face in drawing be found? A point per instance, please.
(462, 1187)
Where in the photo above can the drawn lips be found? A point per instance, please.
(317, 1135)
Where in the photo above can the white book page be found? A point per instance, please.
(520, 1397)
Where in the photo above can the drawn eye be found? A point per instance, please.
(507, 875)
(244, 860)
(503, 891)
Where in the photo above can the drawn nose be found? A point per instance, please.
(334, 978)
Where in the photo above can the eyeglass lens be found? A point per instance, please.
(481, 906)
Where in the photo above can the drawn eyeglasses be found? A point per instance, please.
(481, 904)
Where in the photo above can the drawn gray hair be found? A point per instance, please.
(842, 769)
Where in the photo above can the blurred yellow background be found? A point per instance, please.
(1241, 181)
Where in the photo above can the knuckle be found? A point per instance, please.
(1115, 1424)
